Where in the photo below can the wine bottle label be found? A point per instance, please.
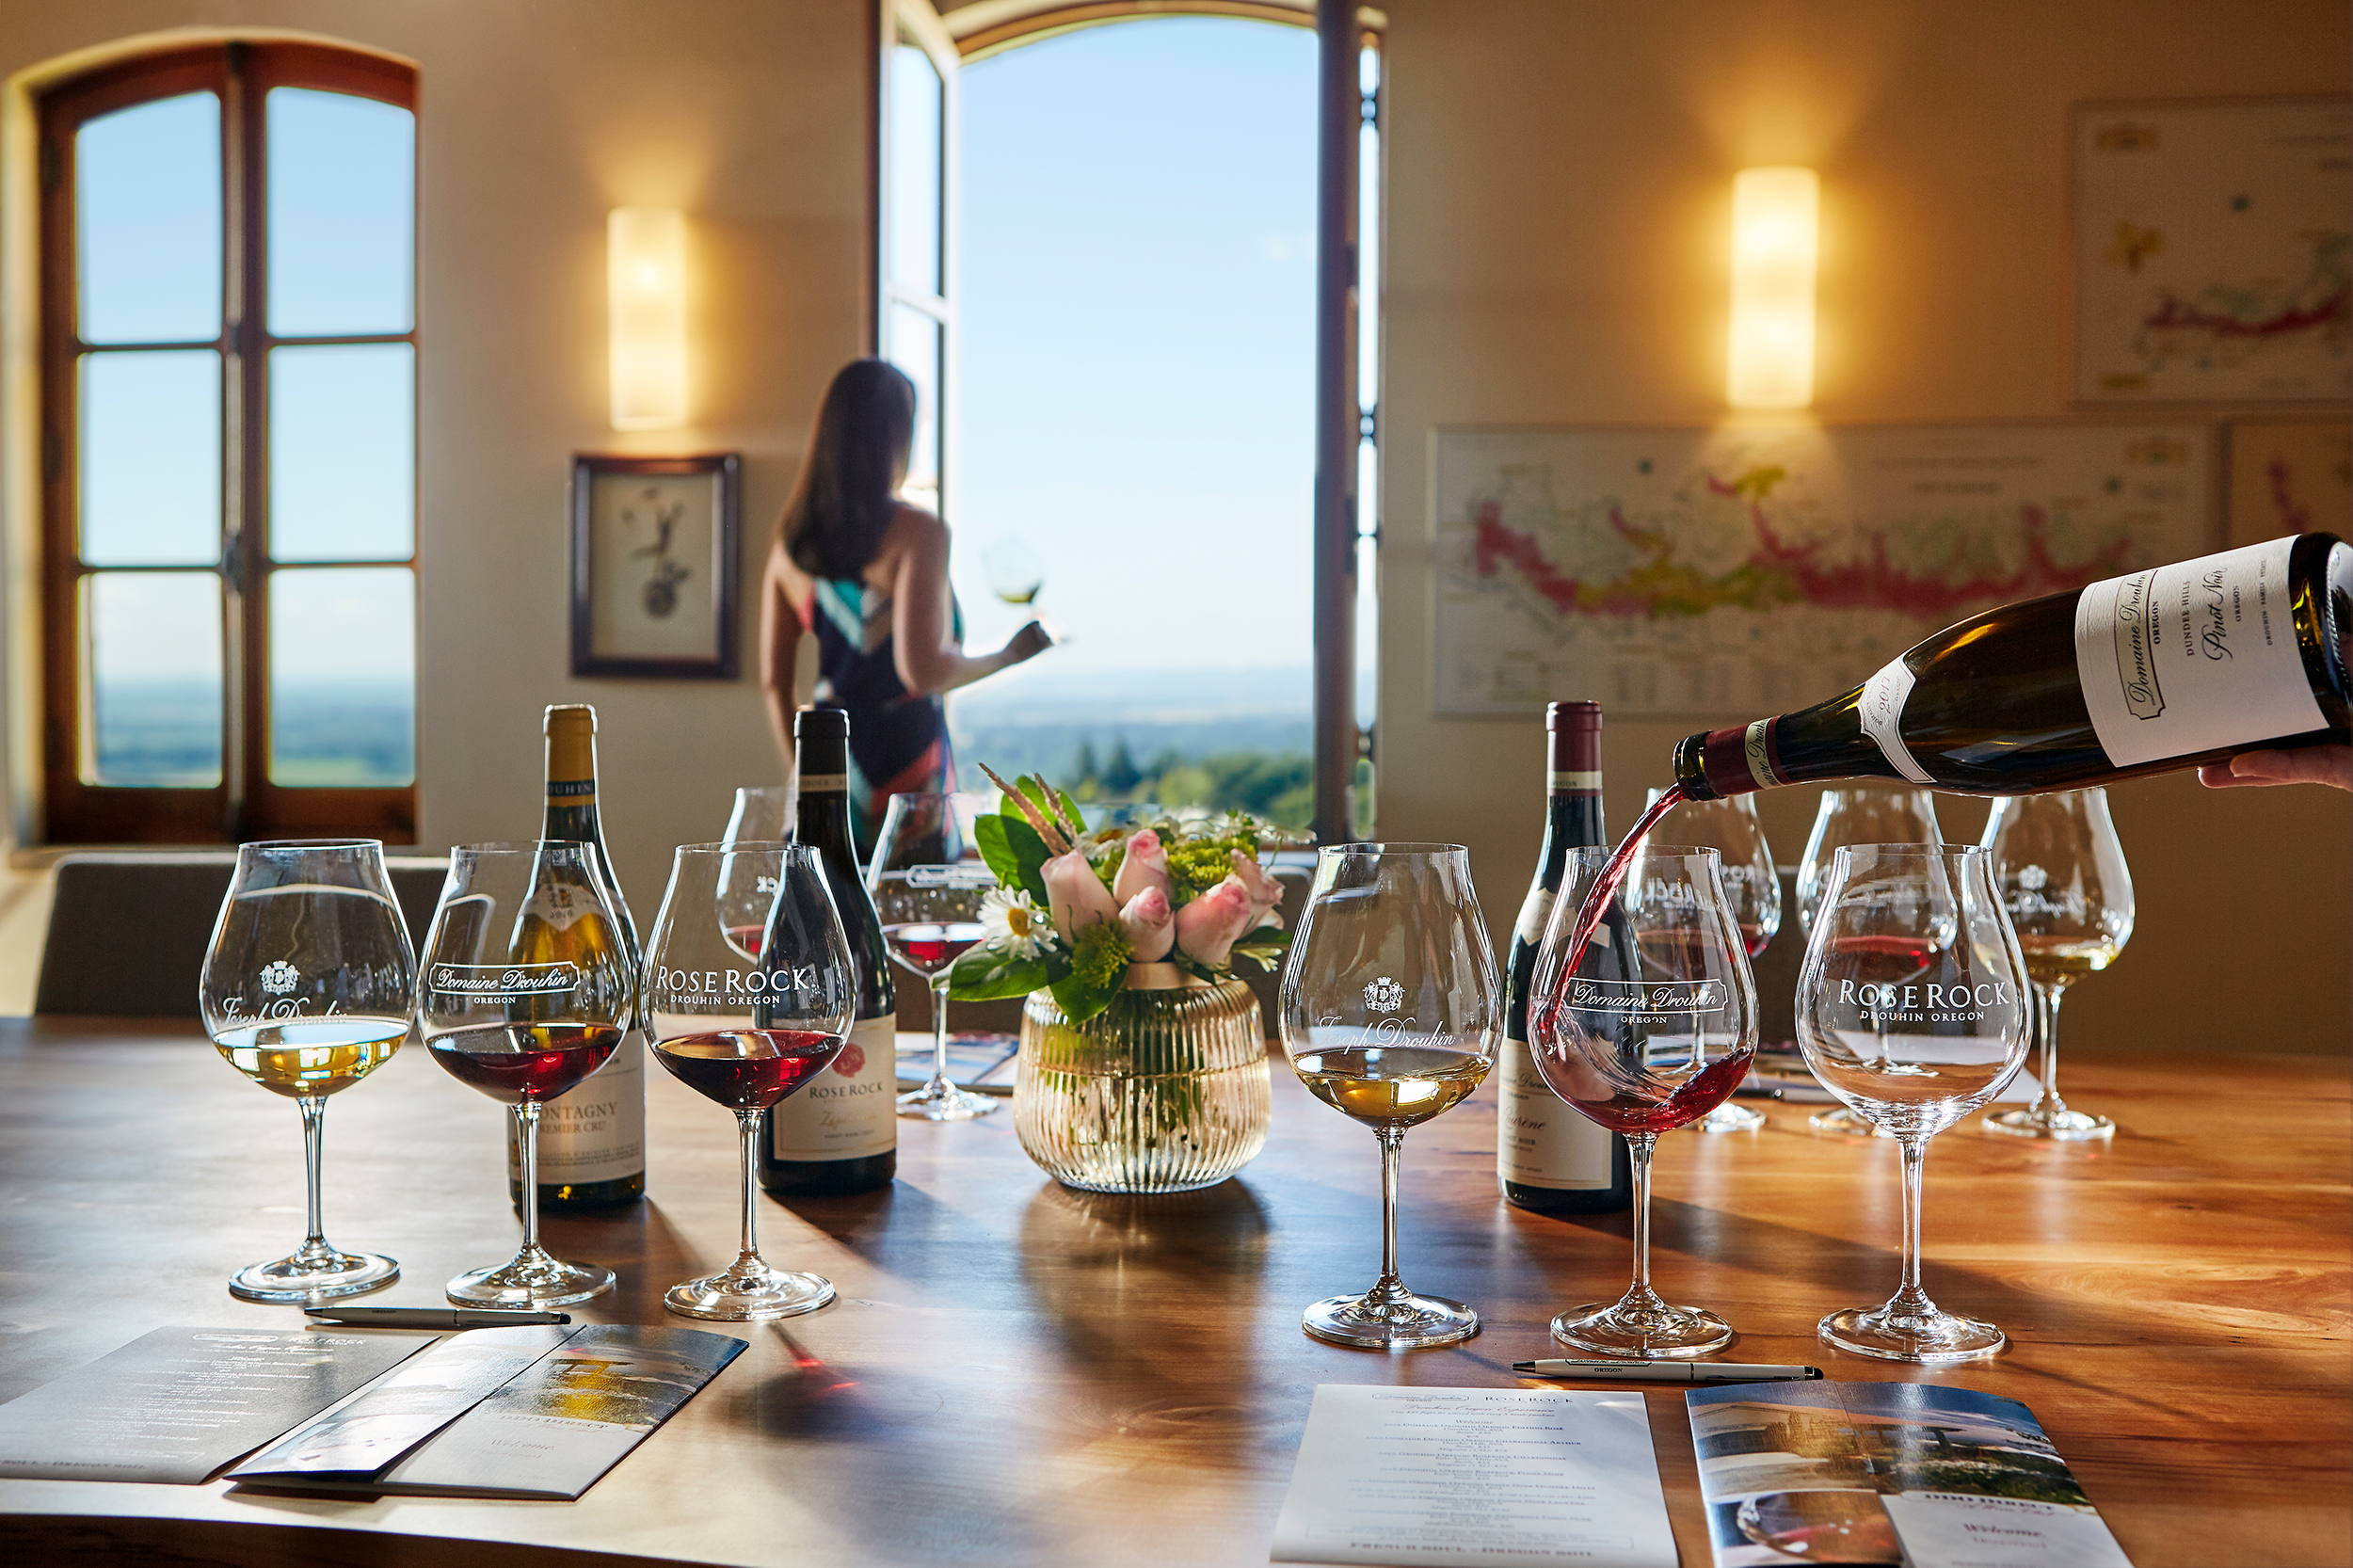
(1882, 714)
(596, 1130)
(851, 1110)
(1536, 914)
(1540, 1142)
(2194, 657)
(825, 783)
(1565, 782)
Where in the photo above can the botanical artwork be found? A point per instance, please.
(2290, 476)
(654, 596)
(1722, 573)
(2214, 250)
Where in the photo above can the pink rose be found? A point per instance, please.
(1206, 927)
(1145, 865)
(1076, 895)
(1266, 894)
(1151, 925)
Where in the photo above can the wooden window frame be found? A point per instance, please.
(244, 804)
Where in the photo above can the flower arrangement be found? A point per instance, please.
(1073, 908)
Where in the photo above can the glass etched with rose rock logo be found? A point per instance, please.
(1913, 1009)
(746, 1023)
(526, 988)
(306, 987)
(1392, 1015)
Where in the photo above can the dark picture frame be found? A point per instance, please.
(654, 570)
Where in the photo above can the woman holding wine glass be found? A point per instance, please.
(867, 573)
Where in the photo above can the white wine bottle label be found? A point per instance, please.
(851, 1110)
(1882, 714)
(559, 902)
(596, 1130)
(2194, 657)
(1540, 1142)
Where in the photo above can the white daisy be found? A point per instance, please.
(1013, 925)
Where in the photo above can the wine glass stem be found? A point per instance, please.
(314, 1148)
(1388, 1288)
(1638, 1146)
(2048, 1106)
(940, 1032)
(1909, 1297)
(527, 1140)
(748, 1124)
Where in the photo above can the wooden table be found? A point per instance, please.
(1019, 1374)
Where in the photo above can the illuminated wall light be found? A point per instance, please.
(1774, 241)
(646, 292)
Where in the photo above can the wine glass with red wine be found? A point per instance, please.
(1644, 1027)
(526, 987)
(928, 882)
(746, 1023)
(1731, 827)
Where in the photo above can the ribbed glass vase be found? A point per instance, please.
(1163, 1091)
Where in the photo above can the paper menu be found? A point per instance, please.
(1909, 1474)
(1453, 1477)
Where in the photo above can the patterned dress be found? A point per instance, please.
(898, 738)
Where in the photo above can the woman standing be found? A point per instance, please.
(868, 573)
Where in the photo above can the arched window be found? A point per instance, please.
(229, 446)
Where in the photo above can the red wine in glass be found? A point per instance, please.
(1694, 1097)
(746, 938)
(1606, 886)
(747, 1069)
(521, 1063)
(928, 947)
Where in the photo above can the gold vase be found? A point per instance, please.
(1164, 1091)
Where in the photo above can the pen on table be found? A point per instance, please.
(429, 1316)
(1666, 1371)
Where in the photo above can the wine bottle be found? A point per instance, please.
(841, 1134)
(2159, 670)
(592, 1138)
(1550, 1158)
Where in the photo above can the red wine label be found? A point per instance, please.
(851, 1110)
(1882, 714)
(1540, 1142)
(2194, 657)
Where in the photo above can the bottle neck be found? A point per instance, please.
(1573, 795)
(822, 813)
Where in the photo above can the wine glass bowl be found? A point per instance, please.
(527, 987)
(927, 885)
(1016, 574)
(745, 1030)
(1731, 826)
(1912, 1010)
(1643, 1020)
(1391, 1013)
(306, 987)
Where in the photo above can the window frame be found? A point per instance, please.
(244, 804)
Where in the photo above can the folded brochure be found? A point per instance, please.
(1909, 1474)
(524, 1412)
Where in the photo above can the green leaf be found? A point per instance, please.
(1016, 853)
(1071, 816)
(1080, 1000)
(1266, 951)
(984, 975)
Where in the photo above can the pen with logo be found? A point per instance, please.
(1666, 1371)
(429, 1317)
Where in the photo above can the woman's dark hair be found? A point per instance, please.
(833, 523)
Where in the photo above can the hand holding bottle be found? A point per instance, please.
(2326, 764)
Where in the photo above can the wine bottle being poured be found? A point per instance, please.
(2159, 670)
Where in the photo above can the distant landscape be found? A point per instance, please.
(167, 733)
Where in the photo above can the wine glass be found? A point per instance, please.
(1643, 1027)
(306, 987)
(928, 885)
(1913, 1009)
(1731, 827)
(1859, 811)
(763, 814)
(747, 1027)
(1391, 1014)
(2070, 895)
(527, 988)
(1014, 572)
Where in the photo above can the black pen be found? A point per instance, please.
(1666, 1371)
(429, 1317)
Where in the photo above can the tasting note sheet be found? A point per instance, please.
(1537, 1478)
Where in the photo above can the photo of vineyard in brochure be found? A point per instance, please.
(1894, 1473)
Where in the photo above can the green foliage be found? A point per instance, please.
(1264, 947)
(985, 974)
(1120, 775)
(1098, 968)
(1014, 852)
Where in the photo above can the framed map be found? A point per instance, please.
(2290, 476)
(1725, 572)
(2214, 250)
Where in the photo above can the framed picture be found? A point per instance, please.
(2290, 476)
(654, 566)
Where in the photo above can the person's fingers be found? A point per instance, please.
(2329, 764)
(2217, 775)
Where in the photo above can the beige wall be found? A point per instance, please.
(1559, 184)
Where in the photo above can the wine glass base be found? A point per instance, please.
(529, 1286)
(741, 1298)
(1729, 1118)
(1930, 1337)
(1406, 1323)
(292, 1279)
(2068, 1127)
(945, 1102)
(1842, 1120)
(1658, 1334)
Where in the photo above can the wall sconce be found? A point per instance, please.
(646, 292)
(1774, 241)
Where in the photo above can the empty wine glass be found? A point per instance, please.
(1644, 1027)
(763, 815)
(1913, 1009)
(2070, 895)
(1391, 1014)
(745, 1026)
(527, 987)
(928, 885)
(306, 987)
(1732, 829)
(1859, 811)
(762, 812)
